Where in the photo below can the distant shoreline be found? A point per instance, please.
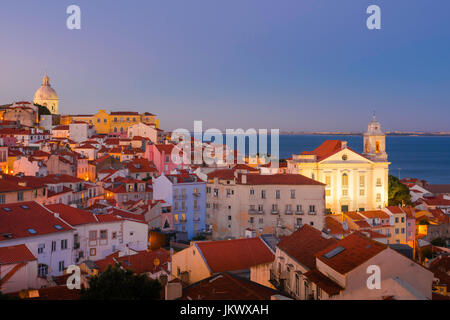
(404, 134)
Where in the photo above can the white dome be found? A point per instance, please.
(45, 92)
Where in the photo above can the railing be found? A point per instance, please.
(299, 212)
(288, 211)
(275, 211)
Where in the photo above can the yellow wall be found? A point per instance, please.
(191, 261)
(106, 123)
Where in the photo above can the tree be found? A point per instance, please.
(398, 192)
(4, 296)
(116, 283)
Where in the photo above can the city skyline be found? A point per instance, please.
(274, 66)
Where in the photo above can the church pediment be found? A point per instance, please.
(346, 155)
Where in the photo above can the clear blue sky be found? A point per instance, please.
(288, 64)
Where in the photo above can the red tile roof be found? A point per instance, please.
(15, 254)
(71, 215)
(323, 282)
(357, 250)
(278, 179)
(375, 214)
(238, 254)
(225, 286)
(303, 244)
(326, 149)
(141, 262)
(17, 219)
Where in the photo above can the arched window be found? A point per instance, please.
(367, 146)
(377, 148)
(345, 180)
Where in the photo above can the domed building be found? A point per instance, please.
(46, 96)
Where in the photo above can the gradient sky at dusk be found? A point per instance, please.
(288, 64)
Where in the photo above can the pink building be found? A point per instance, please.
(160, 154)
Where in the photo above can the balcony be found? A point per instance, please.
(260, 211)
(278, 281)
(288, 211)
(275, 211)
(312, 212)
(299, 212)
(252, 211)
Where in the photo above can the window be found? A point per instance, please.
(396, 219)
(344, 180)
(378, 182)
(103, 234)
(344, 192)
(53, 246)
(42, 270)
(292, 194)
(216, 192)
(299, 221)
(229, 218)
(41, 248)
(361, 181)
(260, 207)
(403, 219)
(403, 230)
(2, 198)
(378, 197)
(252, 192)
(274, 208)
(312, 209)
(299, 208)
(277, 194)
(263, 194)
(328, 181)
(92, 235)
(208, 189)
(92, 251)
(64, 244)
(19, 196)
(396, 230)
(61, 266)
(361, 192)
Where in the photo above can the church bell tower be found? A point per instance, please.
(375, 142)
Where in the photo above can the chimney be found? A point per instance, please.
(173, 290)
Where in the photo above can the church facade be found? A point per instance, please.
(354, 181)
(46, 96)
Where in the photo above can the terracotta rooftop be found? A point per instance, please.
(225, 286)
(27, 219)
(303, 244)
(15, 254)
(352, 251)
(237, 254)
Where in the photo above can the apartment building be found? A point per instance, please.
(277, 204)
(186, 193)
